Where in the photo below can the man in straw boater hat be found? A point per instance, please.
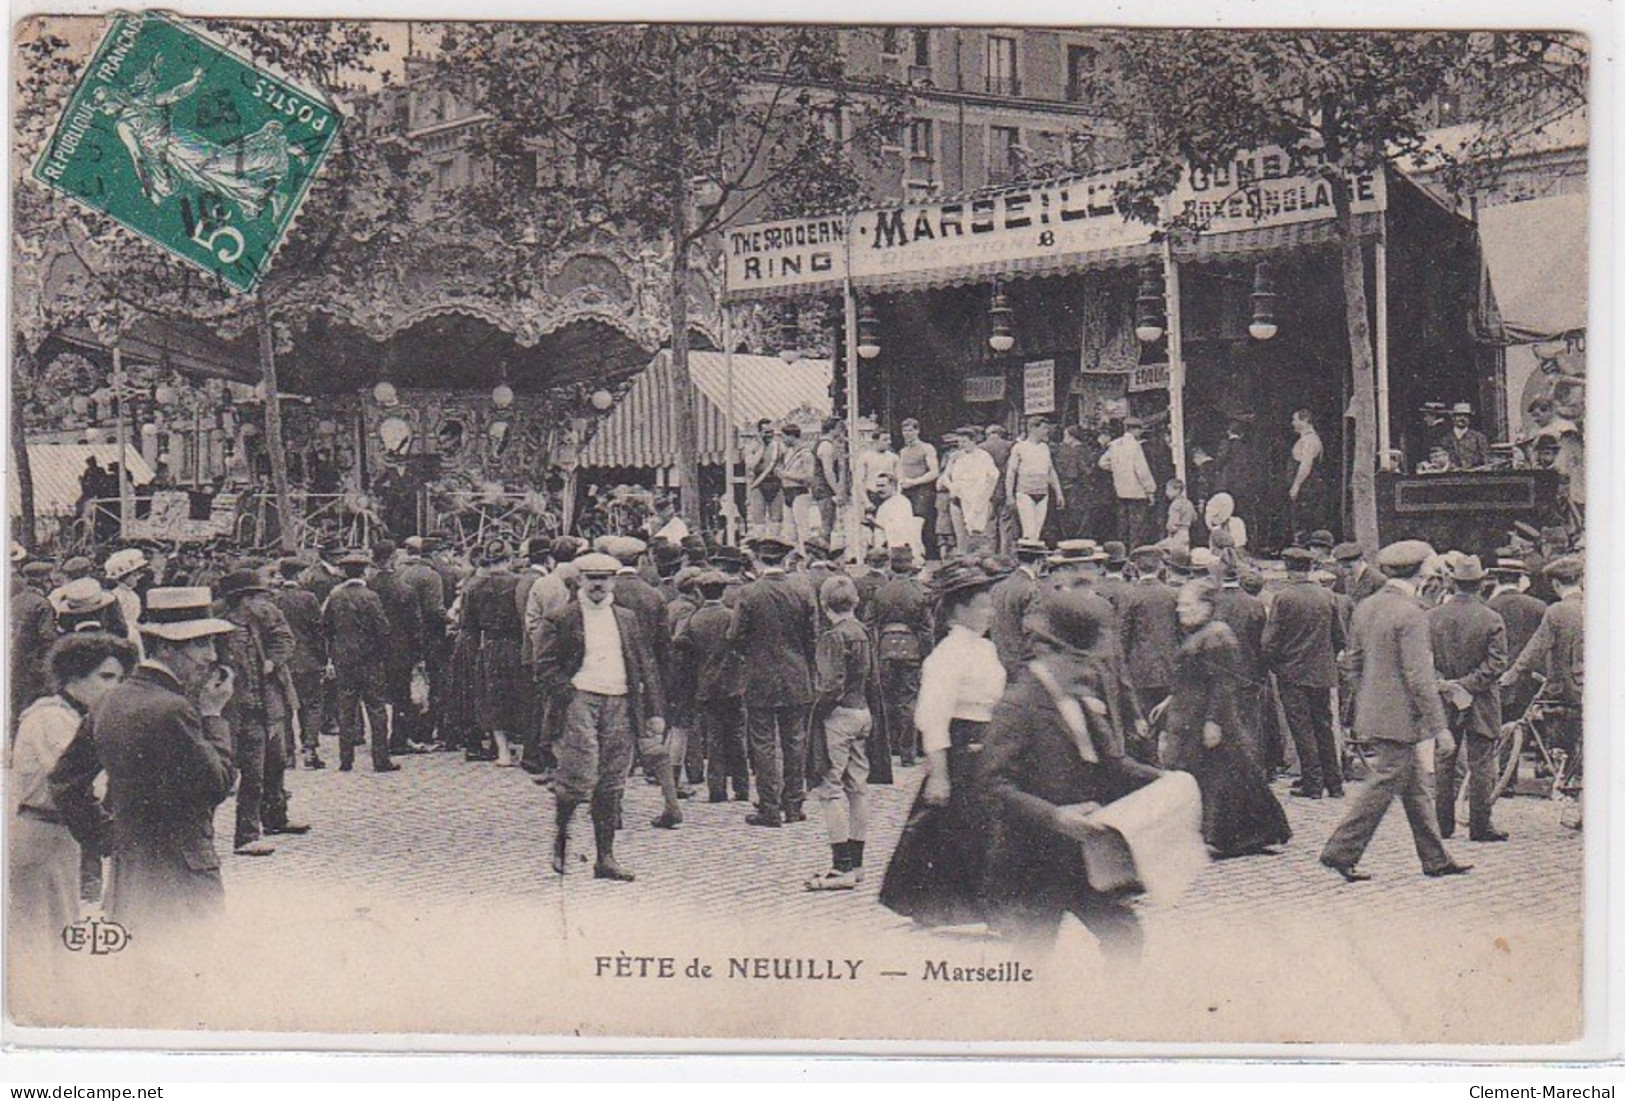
(597, 667)
(127, 571)
(1398, 712)
(165, 745)
(354, 625)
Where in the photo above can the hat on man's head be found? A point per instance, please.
(1179, 562)
(994, 430)
(1348, 552)
(38, 569)
(693, 546)
(770, 548)
(84, 596)
(413, 543)
(1508, 561)
(181, 615)
(1321, 539)
(238, 582)
(1202, 559)
(1220, 507)
(1405, 555)
(1461, 407)
(1298, 559)
(290, 568)
(876, 557)
(598, 564)
(1146, 553)
(902, 558)
(1071, 619)
(78, 566)
(567, 547)
(816, 547)
(19, 553)
(495, 550)
(1567, 570)
(959, 576)
(383, 551)
(1031, 550)
(1133, 422)
(354, 558)
(686, 578)
(1116, 553)
(1467, 569)
(711, 579)
(627, 548)
(1076, 552)
(729, 556)
(665, 553)
(968, 432)
(123, 563)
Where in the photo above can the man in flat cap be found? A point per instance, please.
(715, 673)
(1470, 654)
(1399, 714)
(596, 666)
(1358, 578)
(427, 591)
(1301, 642)
(1521, 613)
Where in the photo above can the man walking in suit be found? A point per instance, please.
(1470, 653)
(1301, 642)
(717, 674)
(902, 622)
(1399, 713)
(1148, 630)
(402, 647)
(1133, 484)
(1244, 614)
(775, 630)
(355, 626)
(594, 662)
(427, 590)
(1013, 597)
(303, 613)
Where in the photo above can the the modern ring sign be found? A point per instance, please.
(198, 150)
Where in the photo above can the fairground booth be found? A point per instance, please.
(1044, 299)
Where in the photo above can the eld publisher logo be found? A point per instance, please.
(98, 936)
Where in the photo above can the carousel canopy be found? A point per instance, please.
(642, 430)
(1536, 253)
(57, 467)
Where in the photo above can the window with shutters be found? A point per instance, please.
(1080, 71)
(1002, 160)
(1002, 78)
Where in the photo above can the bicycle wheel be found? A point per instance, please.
(1508, 752)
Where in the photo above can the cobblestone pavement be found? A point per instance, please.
(1260, 948)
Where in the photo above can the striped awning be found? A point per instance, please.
(56, 468)
(642, 429)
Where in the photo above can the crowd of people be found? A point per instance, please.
(1028, 687)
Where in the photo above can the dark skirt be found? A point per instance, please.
(500, 700)
(458, 718)
(1240, 813)
(935, 873)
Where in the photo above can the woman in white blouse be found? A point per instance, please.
(43, 881)
(935, 873)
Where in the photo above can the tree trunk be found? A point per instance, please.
(287, 530)
(1363, 478)
(688, 463)
(27, 530)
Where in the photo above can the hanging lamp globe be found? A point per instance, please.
(384, 393)
(502, 395)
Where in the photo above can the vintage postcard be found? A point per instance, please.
(707, 533)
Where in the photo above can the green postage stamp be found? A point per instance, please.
(198, 150)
